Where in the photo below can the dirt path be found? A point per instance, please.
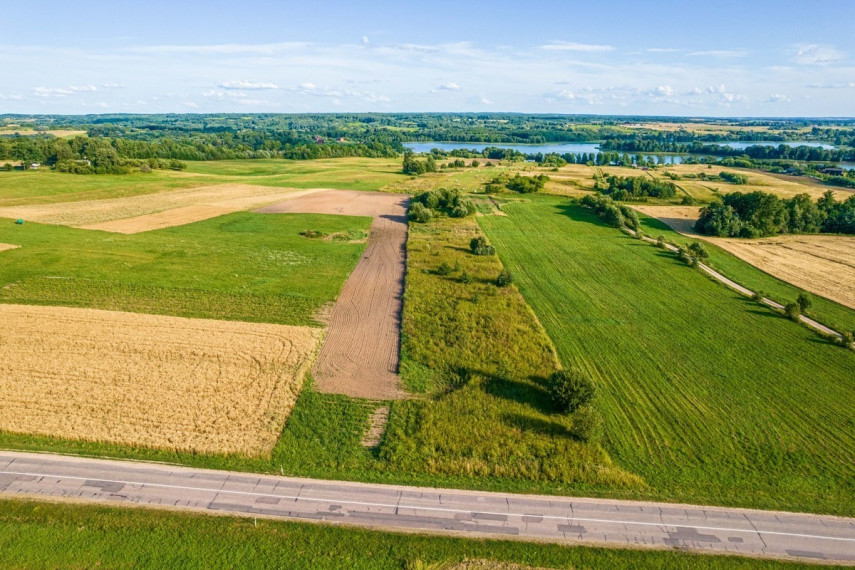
(360, 355)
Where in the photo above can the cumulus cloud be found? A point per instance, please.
(450, 86)
(573, 46)
(112, 85)
(718, 53)
(777, 98)
(484, 100)
(247, 85)
(814, 54)
(62, 91)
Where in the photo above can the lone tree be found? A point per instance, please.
(792, 311)
(570, 389)
(804, 302)
(504, 278)
(699, 251)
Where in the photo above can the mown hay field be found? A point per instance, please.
(822, 264)
(241, 266)
(708, 396)
(192, 385)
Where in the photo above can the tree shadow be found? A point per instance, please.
(532, 394)
(537, 425)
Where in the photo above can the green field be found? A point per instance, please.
(47, 535)
(828, 312)
(46, 186)
(243, 266)
(707, 396)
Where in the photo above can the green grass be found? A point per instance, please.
(826, 311)
(243, 266)
(47, 535)
(708, 396)
(45, 186)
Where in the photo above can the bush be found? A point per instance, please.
(444, 269)
(684, 256)
(504, 278)
(479, 246)
(846, 339)
(527, 184)
(698, 250)
(612, 216)
(792, 311)
(758, 296)
(804, 302)
(570, 389)
(418, 213)
(587, 423)
(687, 200)
(458, 211)
(465, 278)
(660, 242)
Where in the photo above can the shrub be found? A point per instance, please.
(458, 211)
(570, 389)
(504, 278)
(758, 296)
(527, 184)
(687, 200)
(465, 278)
(475, 164)
(792, 311)
(684, 256)
(613, 216)
(587, 423)
(418, 213)
(630, 218)
(804, 302)
(698, 250)
(479, 246)
(444, 269)
(846, 339)
(660, 242)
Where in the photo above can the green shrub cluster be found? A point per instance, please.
(446, 201)
(479, 246)
(527, 184)
(637, 187)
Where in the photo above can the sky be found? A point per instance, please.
(755, 58)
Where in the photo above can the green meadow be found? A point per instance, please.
(707, 396)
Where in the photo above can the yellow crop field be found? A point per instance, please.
(165, 382)
(153, 211)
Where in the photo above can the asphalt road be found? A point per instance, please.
(463, 513)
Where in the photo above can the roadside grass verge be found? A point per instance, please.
(708, 397)
(89, 536)
(242, 266)
(824, 310)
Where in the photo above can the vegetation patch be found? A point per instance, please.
(707, 397)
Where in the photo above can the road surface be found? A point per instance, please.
(463, 513)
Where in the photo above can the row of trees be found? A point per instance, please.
(758, 214)
(635, 187)
(757, 152)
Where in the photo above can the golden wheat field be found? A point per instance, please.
(166, 382)
(154, 211)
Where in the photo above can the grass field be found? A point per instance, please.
(243, 266)
(707, 396)
(826, 311)
(44, 186)
(192, 385)
(86, 536)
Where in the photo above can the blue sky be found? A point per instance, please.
(726, 58)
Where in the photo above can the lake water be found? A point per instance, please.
(560, 148)
(741, 145)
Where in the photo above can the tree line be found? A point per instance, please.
(759, 214)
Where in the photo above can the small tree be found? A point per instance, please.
(465, 278)
(792, 311)
(570, 389)
(587, 423)
(804, 302)
(475, 164)
(698, 250)
(846, 339)
(504, 278)
(444, 269)
(479, 246)
(418, 213)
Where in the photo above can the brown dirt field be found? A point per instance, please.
(360, 355)
(166, 382)
(821, 264)
(7, 247)
(153, 211)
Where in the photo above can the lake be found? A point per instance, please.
(741, 145)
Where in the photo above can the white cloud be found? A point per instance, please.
(450, 86)
(717, 53)
(112, 86)
(62, 91)
(573, 46)
(244, 85)
(663, 50)
(365, 40)
(849, 85)
(484, 100)
(814, 54)
(664, 91)
(777, 98)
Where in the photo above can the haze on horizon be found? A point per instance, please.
(761, 58)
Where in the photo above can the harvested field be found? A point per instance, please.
(165, 382)
(360, 355)
(821, 264)
(155, 211)
(7, 247)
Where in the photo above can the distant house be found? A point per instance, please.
(342, 139)
(34, 166)
(319, 140)
(832, 171)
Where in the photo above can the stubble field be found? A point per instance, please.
(191, 385)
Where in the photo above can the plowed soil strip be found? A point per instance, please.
(192, 385)
(360, 355)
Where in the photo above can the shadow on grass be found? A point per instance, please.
(539, 426)
(532, 393)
